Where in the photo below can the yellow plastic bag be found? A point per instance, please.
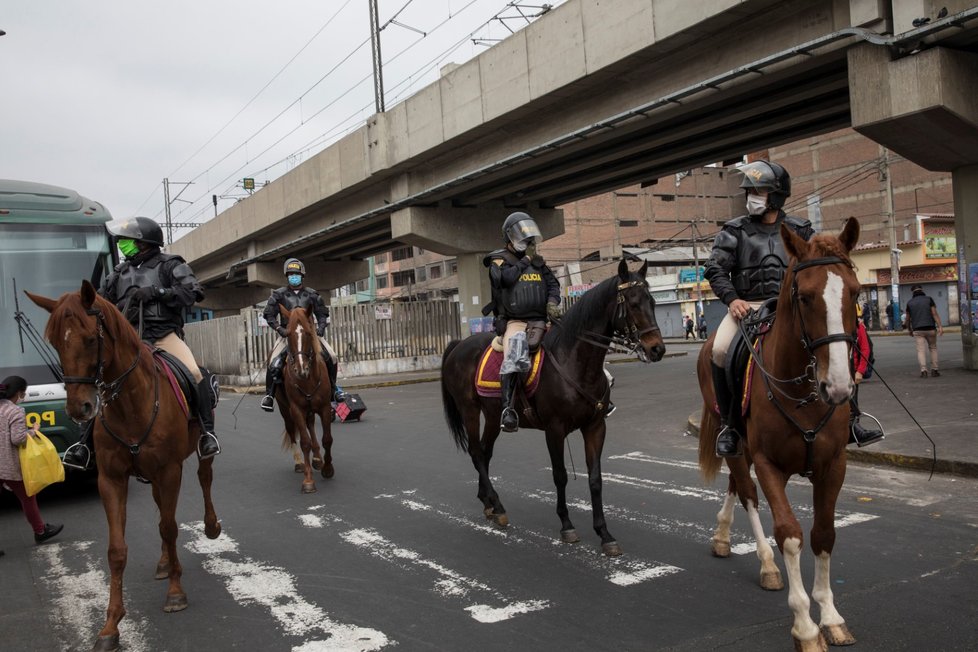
(40, 464)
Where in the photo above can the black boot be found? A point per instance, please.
(207, 445)
(273, 376)
(510, 420)
(49, 531)
(332, 369)
(728, 441)
(79, 455)
(857, 434)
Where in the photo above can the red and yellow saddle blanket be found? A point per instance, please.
(487, 373)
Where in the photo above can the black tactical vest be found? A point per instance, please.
(146, 275)
(761, 259)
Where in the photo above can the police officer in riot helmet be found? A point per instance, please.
(295, 295)
(153, 289)
(525, 294)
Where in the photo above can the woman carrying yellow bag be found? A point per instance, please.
(14, 433)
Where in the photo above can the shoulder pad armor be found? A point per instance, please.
(493, 255)
(737, 222)
(797, 223)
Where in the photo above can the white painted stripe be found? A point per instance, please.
(79, 598)
(638, 456)
(621, 571)
(250, 582)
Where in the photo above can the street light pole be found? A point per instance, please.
(894, 251)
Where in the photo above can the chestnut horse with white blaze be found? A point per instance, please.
(141, 430)
(797, 423)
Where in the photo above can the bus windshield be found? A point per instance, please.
(46, 259)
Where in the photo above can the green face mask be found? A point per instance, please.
(128, 247)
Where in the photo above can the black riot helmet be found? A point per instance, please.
(765, 176)
(519, 229)
(141, 229)
(294, 266)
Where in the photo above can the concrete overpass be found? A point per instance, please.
(597, 95)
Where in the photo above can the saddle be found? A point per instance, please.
(738, 366)
(487, 373)
(181, 381)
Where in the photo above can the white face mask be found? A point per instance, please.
(756, 204)
(521, 245)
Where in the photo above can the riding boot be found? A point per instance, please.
(273, 376)
(857, 434)
(510, 420)
(207, 445)
(79, 455)
(728, 441)
(332, 369)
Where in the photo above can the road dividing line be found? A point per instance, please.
(250, 582)
(79, 597)
(621, 571)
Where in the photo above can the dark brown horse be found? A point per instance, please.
(798, 423)
(305, 392)
(140, 429)
(571, 394)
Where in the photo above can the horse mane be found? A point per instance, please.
(70, 305)
(580, 316)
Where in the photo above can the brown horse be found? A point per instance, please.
(110, 376)
(571, 395)
(305, 392)
(799, 378)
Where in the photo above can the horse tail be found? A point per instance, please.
(288, 440)
(452, 414)
(709, 421)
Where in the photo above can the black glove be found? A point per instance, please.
(281, 330)
(523, 262)
(538, 261)
(321, 332)
(531, 251)
(146, 295)
(553, 311)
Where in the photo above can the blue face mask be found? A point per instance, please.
(295, 280)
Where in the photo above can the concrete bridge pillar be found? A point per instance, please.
(924, 107)
(467, 233)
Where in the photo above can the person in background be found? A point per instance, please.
(14, 434)
(689, 327)
(860, 365)
(924, 325)
(702, 326)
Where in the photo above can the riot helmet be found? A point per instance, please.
(140, 229)
(771, 178)
(519, 229)
(294, 271)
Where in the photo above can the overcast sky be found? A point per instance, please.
(109, 97)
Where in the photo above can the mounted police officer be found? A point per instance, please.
(153, 289)
(295, 295)
(525, 294)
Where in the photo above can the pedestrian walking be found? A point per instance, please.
(701, 327)
(13, 434)
(689, 327)
(924, 325)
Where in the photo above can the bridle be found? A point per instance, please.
(626, 334)
(293, 359)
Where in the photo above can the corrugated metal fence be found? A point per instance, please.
(241, 344)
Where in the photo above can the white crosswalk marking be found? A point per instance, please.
(251, 582)
(81, 596)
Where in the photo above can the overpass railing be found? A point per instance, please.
(240, 345)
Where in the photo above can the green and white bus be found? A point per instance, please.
(50, 239)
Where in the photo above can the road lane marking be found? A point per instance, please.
(79, 598)
(251, 582)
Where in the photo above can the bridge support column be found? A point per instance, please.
(924, 107)
(469, 234)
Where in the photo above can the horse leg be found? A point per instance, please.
(169, 480)
(205, 476)
(114, 491)
(480, 450)
(787, 534)
(308, 484)
(826, 491)
(317, 459)
(745, 488)
(555, 446)
(163, 565)
(720, 543)
(594, 434)
(326, 418)
(297, 457)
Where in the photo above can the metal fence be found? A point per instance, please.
(240, 345)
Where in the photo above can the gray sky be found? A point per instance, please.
(108, 97)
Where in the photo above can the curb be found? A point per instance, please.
(879, 458)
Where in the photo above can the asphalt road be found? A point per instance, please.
(393, 552)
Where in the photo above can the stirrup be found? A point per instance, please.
(867, 442)
(200, 442)
(267, 403)
(516, 418)
(71, 449)
(738, 445)
(610, 409)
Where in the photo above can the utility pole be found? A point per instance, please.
(894, 251)
(168, 202)
(378, 61)
(696, 272)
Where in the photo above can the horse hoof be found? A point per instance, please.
(309, 488)
(817, 644)
(213, 531)
(500, 520)
(488, 513)
(176, 602)
(720, 548)
(317, 463)
(162, 571)
(328, 471)
(569, 536)
(771, 580)
(300, 468)
(611, 549)
(106, 643)
(838, 634)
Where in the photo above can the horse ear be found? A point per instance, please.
(44, 302)
(794, 244)
(87, 293)
(644, 268)
(623, 270)
(284, 311)
(850, 234)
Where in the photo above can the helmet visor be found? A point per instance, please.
(521, 232)
(126, 228)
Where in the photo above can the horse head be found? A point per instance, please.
(303, 343)
(76, 330)
(636, 316)
(821, 289)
